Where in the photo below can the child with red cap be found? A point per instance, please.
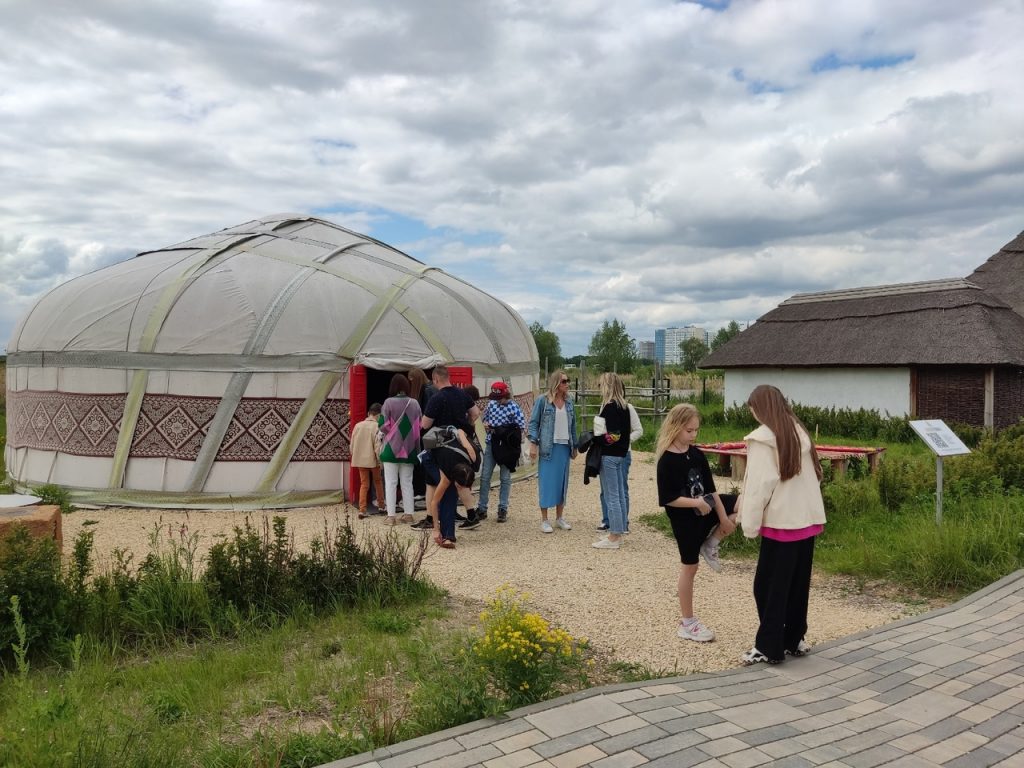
(504, 424)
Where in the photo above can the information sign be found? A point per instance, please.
(940, 438)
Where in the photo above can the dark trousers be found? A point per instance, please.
(446, 512)
(782, 585)
(447, 504)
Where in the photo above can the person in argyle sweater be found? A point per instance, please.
(400, 422)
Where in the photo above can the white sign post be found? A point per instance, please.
(943, 442)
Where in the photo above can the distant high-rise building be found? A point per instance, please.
(646, 350)
(667, 341)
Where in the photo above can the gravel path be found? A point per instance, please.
(623, 600)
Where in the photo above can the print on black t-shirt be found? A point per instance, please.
(696, 484)
(683, 474)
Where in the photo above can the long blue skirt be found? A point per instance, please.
(553, 476)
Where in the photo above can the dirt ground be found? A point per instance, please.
(623, 600)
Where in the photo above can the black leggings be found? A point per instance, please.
(782, 586)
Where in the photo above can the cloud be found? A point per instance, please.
(664, 163)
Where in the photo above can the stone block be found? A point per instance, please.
(42, 520)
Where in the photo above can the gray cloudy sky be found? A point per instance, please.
(663, 163)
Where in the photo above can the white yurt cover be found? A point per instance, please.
(228, 370)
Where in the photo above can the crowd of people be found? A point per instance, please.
(426, 432)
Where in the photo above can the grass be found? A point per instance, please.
(309, 689)
(234, 703)
(981, 539)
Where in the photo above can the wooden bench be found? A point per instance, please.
(733, 457)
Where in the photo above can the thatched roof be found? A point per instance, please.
(977, 321)
(1003, 274)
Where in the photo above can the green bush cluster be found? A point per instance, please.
(252, 578)
(859, 424)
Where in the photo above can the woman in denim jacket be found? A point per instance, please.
(553, 431)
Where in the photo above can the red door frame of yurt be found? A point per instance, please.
(459, 375)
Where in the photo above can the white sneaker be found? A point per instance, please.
(545, 527)
(695, 631)
(802, 649)
(605, 544)
(709, 549)
(563, 524)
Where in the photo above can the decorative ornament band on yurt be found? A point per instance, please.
(228, 370)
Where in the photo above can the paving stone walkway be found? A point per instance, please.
(942, 689)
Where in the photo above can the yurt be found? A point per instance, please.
(228, 371)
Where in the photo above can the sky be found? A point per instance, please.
(660, 163)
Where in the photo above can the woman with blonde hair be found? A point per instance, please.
(782, 503)
(552, 436)
(686, 489)
(612, 427)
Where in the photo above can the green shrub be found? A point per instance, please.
(334, 572)
(901, 480)
(30, 568)
(54, 494)
(1002, 455)
(251, 571)
(850, 498)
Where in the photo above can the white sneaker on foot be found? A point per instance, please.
(545, 527)
(802, 649)
(695, 631)
(754, 656)
(709, 549)
(605, 544)
(563, 524)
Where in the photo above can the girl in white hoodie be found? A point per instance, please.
(782, 503)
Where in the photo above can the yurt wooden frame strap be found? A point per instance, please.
(201, 263)
(349, 348)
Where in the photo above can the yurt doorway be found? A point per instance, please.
(365, 386)
(370, 385)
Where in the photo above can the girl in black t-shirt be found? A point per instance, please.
(699, 516)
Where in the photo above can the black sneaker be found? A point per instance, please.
(479, 514)
(502, 515)
(469, 524)
(425, 524)
(460, 518)
(602, 527)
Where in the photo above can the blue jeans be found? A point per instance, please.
(614, 492)
(504, 487)
(625, 484)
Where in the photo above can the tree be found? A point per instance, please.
(694, 350)
(549, 348)
(611, 348)
(730, 331)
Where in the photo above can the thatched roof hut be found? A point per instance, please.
(958, 343)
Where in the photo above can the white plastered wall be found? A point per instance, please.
(886, 390)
